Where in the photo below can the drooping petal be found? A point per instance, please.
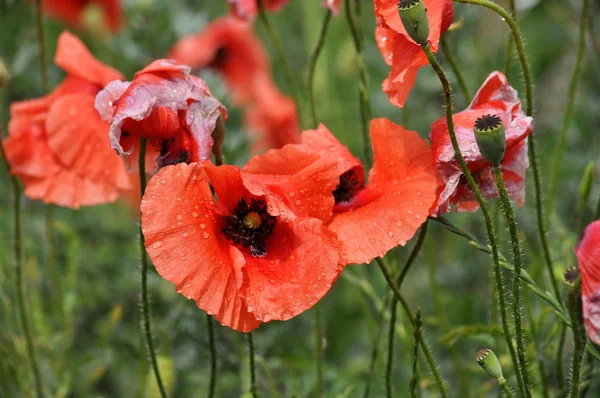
(300, 266)
(295, 180)
(588, 257)
(182, 229)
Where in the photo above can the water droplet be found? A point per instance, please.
(205, 235)
(298, 202)
(292, 194)
(390, 234)
(179, 217)
(158, 244)
(163, 182)
(195, 215)
(202, 226)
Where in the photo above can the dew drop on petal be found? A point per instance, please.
(205, 235)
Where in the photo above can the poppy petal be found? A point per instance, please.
(588, 257)
(300, 266)
(228, 185)
(182, 229)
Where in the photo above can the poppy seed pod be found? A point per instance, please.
(491, 139)
(4, 75)
(489, 362)
(414, 18)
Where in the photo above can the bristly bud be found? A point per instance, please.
(585, 187)
(491, 139)
(571, 275)
(414, 18)
(489, 362)
(4, 75)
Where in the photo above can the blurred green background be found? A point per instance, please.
(95, 347)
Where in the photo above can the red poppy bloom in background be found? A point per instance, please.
(498, 98)
(333, 5)
(399, 51)
(58, 145)
(73, 11)
(248, 9)
(371, 219)
(249, 256)
(174, 110)
(230, 47)
(588, 257)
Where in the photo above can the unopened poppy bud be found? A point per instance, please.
(491, 139)
(218, 135)
(571, 275)
(489, 362)
(585, 187)
(414, 18)
(4, 75)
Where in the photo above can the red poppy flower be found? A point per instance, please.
(399, 51)
(588, 257)
(58, 145)
(174, 110)
(495, 97)
(248, 9)
(73, 11)
(253, 255)
(372, 218)
(230, 47)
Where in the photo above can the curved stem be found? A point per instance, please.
(447, 89)
(414, 377)
(411, 318)
(409, 262)
(507, 392)
(213, 356)
(318, 351)
(578, 338)
(366, 114)
(19, 283)
(310, 77)
(509, 49)
(516, 291)
(455, 69)
(289, 77)
(253, 389)
(562, 140)
(144, 302)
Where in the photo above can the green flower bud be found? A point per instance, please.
(488, 360)
(490, 137)
(414, 18)
(571, 275)
(4, 75)
(585, 187)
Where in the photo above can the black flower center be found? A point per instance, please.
(348, 187)
(488, 123)
(405, 4)
(250, 226)
(170, 155)
(220, 58)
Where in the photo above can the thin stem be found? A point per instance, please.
(19, 283)
(213, 356)
(366, 114)
(455, 69)
(578, 338)
(484, 210)
(55, 276)
(310, 77)
(507, 392)
(509, 49)
(42, 45)
(411, 318)
(253, 389)
(289, 77)
(559, 359)
(144, 301)
(375, 349)
(414, 377)
(409, 262)
(562, 140)
(516, 291)
(318, 351)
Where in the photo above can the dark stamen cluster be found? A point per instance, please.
(220, 58)
(488, 123)
(404, 4)
(169, 157)
(242, 229)
(348, 187)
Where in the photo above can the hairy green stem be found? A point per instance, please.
(409, 262)
(447, 89)
(558, 361)
(318, 352)
(289, 77)
(562, 138)
(507, 392)
(455, 68)
(253, 389)
(424, 347)
(366, 114)
(144, 301)
(578, 338)
(516, 290)
(310, 77)
(213, 356)
(414, 377)
(509, 49)
(19, 283)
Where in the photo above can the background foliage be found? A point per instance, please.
(95, 348)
